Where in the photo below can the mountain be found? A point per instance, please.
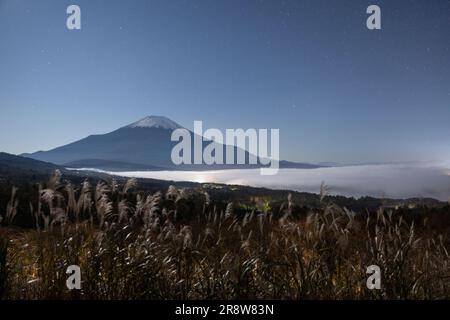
(10, 162)
(142, 145)
(17, 169)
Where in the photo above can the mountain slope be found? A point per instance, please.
(17, 169)
(109, 165)
(10, 162)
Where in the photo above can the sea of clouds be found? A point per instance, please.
(384, 180)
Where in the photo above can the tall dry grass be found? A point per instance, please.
(135, 246)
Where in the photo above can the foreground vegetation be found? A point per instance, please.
(179, 244)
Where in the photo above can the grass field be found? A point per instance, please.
(178, 244)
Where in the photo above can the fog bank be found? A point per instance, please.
(393, 180)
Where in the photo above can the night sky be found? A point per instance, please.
(337, 91)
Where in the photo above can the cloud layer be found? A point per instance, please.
(393, 180)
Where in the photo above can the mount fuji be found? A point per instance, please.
(139, 146)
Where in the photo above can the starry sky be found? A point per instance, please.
(337, 91)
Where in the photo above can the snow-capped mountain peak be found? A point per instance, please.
(155, 122)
